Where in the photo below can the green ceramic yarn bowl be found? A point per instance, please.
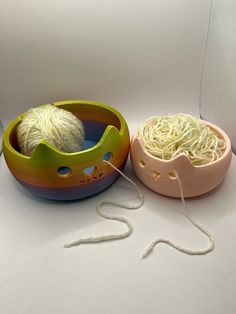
(53, 174)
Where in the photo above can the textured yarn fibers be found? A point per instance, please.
(59, 127)
(168, 136)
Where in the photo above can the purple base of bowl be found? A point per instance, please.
(73, 193)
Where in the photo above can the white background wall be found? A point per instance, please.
(126, 53)
(219, 79)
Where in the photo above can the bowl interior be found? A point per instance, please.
(95, 120)
(218, 131)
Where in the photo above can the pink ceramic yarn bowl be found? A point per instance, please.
(158, 174)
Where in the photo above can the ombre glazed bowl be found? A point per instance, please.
(159, 175)
(53, 174)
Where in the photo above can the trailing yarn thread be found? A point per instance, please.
(110, 237)
(57, 126)
(176, 246)
(167, 136)
(65, 131)
(209, 137)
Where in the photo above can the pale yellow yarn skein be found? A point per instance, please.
(59, 127)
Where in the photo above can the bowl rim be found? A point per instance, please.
(222, 133)
(107, 131)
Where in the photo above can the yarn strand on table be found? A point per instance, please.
(176, 246)
(166, 137)
(111, 237)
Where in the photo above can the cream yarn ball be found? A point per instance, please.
(57, 126)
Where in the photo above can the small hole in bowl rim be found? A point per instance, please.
(142, 163)
(107, 156)
(64, 171)
(172, 175)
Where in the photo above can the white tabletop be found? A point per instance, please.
(39, 276)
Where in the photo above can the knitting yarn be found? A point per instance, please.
(168, 136)
(111, 237)
(59, 127)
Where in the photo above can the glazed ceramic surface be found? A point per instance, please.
(52, 174)
(158, 174)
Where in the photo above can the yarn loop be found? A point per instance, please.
(167, 136)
